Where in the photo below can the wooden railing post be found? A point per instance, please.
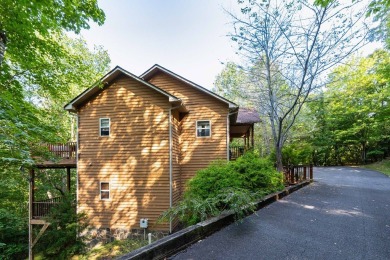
(31, 210)
(311, 172)
(304, 172)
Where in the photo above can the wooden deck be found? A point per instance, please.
(65, 156)
(42, 208)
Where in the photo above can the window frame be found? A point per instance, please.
(196, 128)
(100, 126)
(101, 190)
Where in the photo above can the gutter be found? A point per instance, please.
(77, 160)
(77, 117)
(170, 163)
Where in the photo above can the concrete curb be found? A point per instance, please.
(182, 239)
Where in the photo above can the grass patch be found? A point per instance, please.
(382, 166)
(112, 250)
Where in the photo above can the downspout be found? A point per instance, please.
(170, 164)
(228, 134)
(77, 158)
(77, 162)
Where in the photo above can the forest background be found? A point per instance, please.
(345, 121)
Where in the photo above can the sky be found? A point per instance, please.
(187, 37)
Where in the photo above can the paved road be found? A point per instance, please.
(344, 214)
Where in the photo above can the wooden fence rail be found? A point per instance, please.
(237, 151)
(296, 174)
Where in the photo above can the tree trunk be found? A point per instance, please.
(3, 42)
(279, 161)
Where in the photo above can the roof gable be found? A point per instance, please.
(157, 68)
(73, 105)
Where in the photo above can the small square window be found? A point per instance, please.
(203, 128)
(104, 126)
(104, 190)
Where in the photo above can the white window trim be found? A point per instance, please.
(100, 127)
(196, 128)
(109, 190)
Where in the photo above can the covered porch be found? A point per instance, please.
(242, 126)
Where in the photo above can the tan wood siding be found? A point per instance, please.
(197, 153)
(134, 159)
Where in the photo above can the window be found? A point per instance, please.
(104, 126)
(104, 190)
(203, 128)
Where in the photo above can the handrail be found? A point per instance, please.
(42, 208)
(237, 151)
(66, 150)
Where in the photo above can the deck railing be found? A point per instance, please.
(296, 174)
(67, 150)
(237, 151)
(43, 207)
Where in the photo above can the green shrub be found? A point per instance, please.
(13, 235)
(295, 154)
(210, 181)
(61, 240)
(257, 174)
(235, 186)
(192, 210)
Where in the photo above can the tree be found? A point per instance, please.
(41, 69)
(380, 10)
(230, 83)
(61, 240)
(289, 47)
(27, 25)
(354, 112)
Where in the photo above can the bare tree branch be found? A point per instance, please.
(289, 46)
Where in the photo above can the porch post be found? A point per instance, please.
(248, 134)
(30, 214)
(252, 135)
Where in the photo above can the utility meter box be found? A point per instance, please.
(143, 223)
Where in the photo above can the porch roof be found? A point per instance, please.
(247, 116)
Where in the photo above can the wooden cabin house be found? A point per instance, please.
(141, 138)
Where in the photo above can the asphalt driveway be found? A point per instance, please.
(344, 214)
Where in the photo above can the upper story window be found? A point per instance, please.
(104, 190)
(104, 126)
(203, 128)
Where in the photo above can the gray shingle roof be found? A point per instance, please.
(247, 116)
